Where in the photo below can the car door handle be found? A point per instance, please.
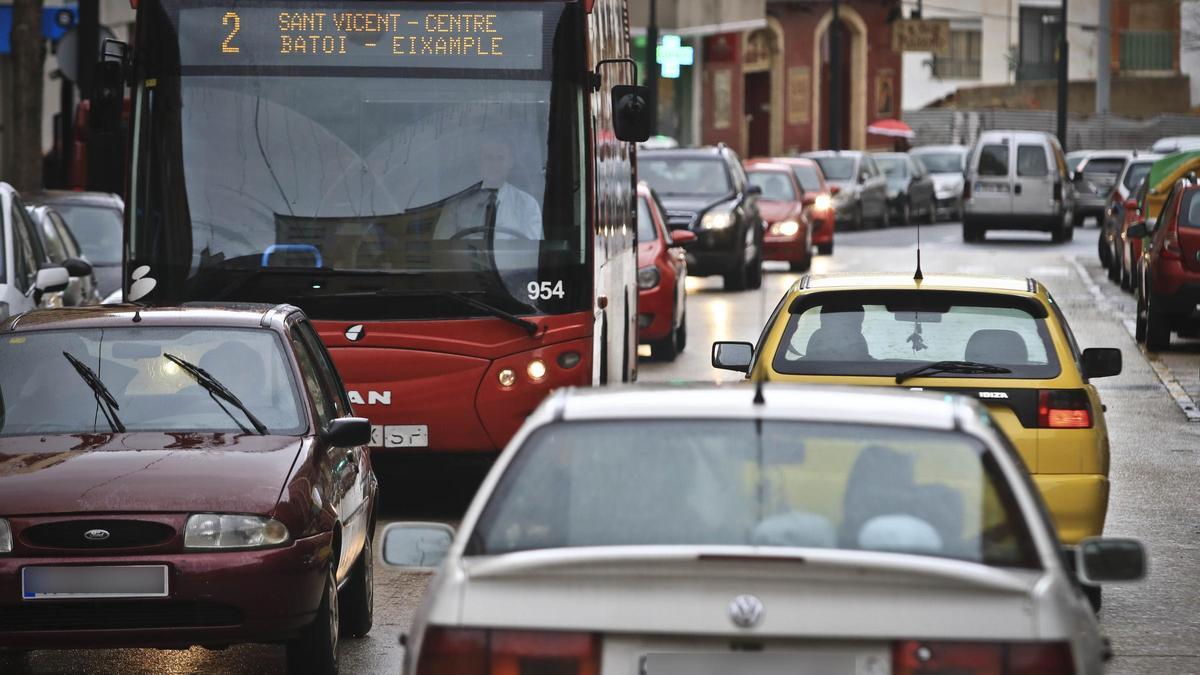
(1017, 189)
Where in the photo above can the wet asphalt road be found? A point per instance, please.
(1154, 626)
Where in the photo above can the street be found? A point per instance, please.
(1153, 625)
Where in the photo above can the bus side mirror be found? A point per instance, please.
(631, 112)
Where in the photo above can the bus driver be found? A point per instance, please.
(517, 214)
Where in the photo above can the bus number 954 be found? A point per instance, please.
(545, 290)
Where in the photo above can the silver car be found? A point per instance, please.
(63, 249)
(945, 163)
(706, 530)
(1094, 180)
(1017, 180)
(27, 277)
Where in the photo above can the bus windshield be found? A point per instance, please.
(331, 155)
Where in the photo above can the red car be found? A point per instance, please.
(817, 197)
(1130, 248)
(788, 234)
(178, 477)
(1170, 285)
(662, 277)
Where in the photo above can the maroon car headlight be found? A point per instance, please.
(210, 531)
(5, 536)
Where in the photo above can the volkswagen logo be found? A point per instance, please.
(746, 611)
(96, 535)
(355, 333)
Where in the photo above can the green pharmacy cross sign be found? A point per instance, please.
(671, 54)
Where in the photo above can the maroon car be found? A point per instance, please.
(178, 477)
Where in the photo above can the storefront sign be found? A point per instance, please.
(722, 91)
(799, 94)
(921, 35)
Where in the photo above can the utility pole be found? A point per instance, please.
(89, 46)
(1104, 58)
(1063, 53)
(652, 65)
(835, 80)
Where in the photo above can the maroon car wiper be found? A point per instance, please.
(104, 398)
(215, 389)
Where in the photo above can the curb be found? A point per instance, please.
(1186, 404)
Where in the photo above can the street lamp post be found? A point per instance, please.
(1063, 53)
(652, 65)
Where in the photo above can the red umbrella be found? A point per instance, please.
(891, 128)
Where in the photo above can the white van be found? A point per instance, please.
(25, 274)
(1017, 180)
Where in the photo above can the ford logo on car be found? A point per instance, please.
(96, 535)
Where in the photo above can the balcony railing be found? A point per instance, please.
(1147, 50)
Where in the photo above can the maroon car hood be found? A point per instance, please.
(145, 471)
(773, 211)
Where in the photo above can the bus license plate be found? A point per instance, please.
(400, 436)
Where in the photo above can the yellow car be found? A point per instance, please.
(1002, 340)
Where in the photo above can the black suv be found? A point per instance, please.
(705, 190)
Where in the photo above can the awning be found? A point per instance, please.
(691, 18)
(891, 129)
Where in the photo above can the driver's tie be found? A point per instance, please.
(489, 219)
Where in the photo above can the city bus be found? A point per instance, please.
(441, 186)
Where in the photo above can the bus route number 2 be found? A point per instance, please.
(545, 290)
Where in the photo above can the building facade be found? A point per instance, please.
(1012, 42)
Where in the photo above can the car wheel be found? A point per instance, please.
(971, 232)
(1058, 232)
(1114, 271)
(357, 595)
(1158, 327)
(664, 349)
(905, 214)
(931, 216)
(1076, 220)
(859, 223)
(736, 280)
(885, 219)
(1103, 251)
(681, 333)
(314, 652)
(754, 275)
(825, 249)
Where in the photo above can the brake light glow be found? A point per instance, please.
(1064, 409)
(915, 657)
(473, 651)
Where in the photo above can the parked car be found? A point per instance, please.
(179, 477)
(1094, 180)
(705, 191)
(1130, 257)
(1003, 340)
(909, 188)
(861, 187)
(1119, 201)
(789, 232)
(27, 277)
(818, 199)
(707, 530)
(1017, 180)
(662, 279)
(95, 218)
(945, 163)
(1169, 144)
(62, 249)
(1170, 286)
(1076, 157)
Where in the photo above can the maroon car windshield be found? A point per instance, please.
(147, 379)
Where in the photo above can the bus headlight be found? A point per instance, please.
(536, 370)
(648, 277)
(220, 531)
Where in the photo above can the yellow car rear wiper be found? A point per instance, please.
(958, 367)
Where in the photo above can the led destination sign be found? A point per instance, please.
(404, 36)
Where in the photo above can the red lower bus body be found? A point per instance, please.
(446, 375)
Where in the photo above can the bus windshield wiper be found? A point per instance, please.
(104, 398)
(958, 367)
(215, 389)
(462, 297)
